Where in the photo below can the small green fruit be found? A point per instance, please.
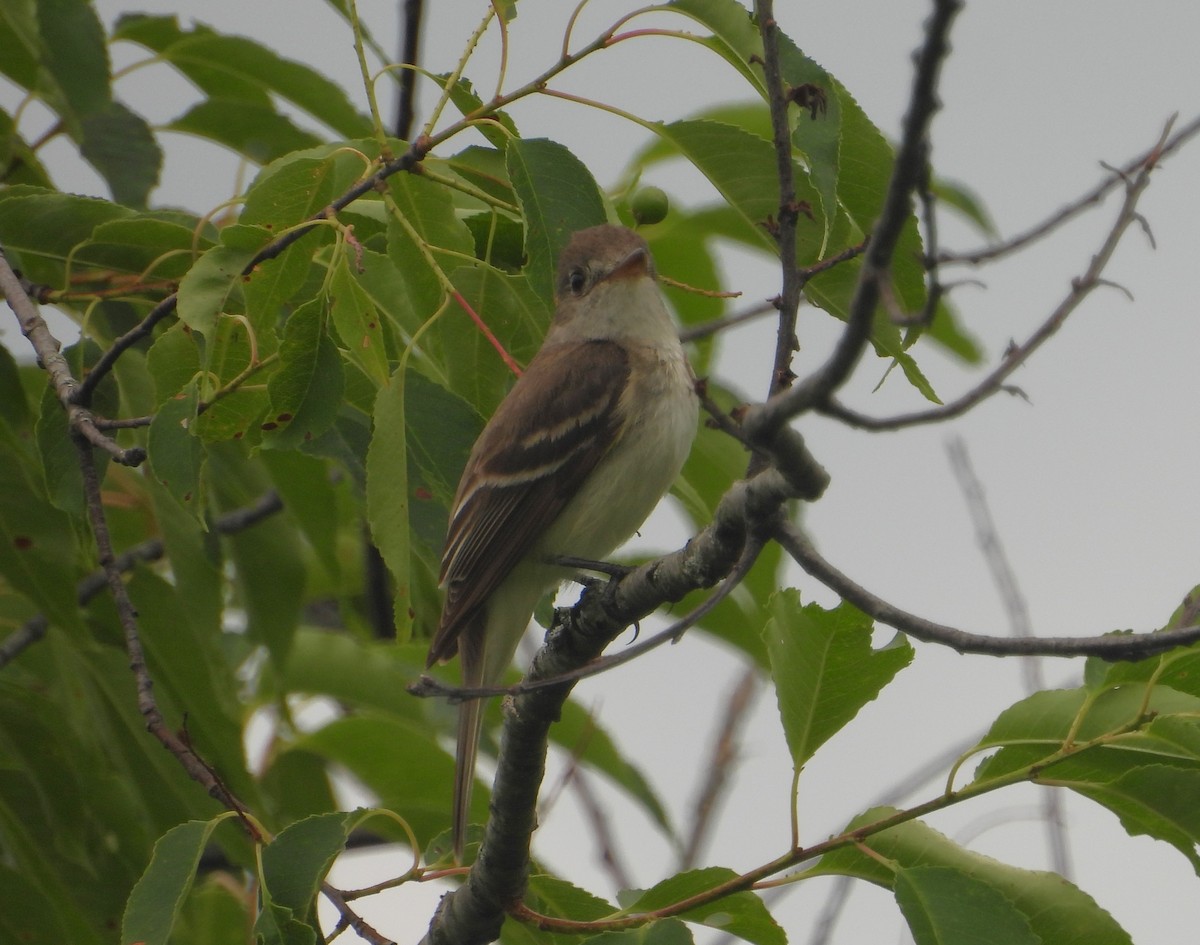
(650, 205)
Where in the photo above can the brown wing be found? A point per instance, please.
(546, 437)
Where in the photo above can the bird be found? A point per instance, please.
(577, 455)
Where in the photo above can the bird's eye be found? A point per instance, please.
(577, 280)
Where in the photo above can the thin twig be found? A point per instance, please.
(50, 357)
(1073, 209)
(156, 725)
(720, 765)
(911, 157)
(598, 817)
(1110, 647)
(1020, 625)
(784, 231)
(1081, 288)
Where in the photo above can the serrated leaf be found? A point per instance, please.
(176, 455)
(558, 897)
(357, 322)
(558, 196)
(1056, 911)
(119, 144)
(296, 861)
(214, 278)
(401, 762)
(74, 51)
(388, 497)
(257, 132)
(37, 548)
(271, 573)
(512, 311)
(662, 932)
(155, 902)
(741, 914)
(824, 668)
(1154, 800)
(239, 68)
(39, 228)
(1038, 726)
(945, 906)
(306, 391)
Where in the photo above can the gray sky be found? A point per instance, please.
(1092, 483)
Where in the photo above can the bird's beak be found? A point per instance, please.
(632, 266)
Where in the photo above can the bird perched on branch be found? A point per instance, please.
(575, 458)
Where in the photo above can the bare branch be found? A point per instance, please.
(1070, 211)
(1020, 625)
(1081, 287)
(789, 210)
(196, 768)
(1133, 646)
(150, 550)
(50, 357)
(911, 158)
(720, 765)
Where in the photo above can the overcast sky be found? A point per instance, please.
(1092, 482)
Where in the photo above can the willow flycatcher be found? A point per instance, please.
(578, 453)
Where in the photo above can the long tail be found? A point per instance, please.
(472, 646)
(470, 718)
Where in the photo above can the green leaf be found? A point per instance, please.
(967, 203)
(156, 899)
(441, 430)
(308, 494)
(824, 668)
(369, 675)
(1039, 726)
(21, 45)
(306, 391)
(119, 144)
(214, 912)
(741, 914)
(513, 312)
(271, 574)
(37, 548)
(357, 322)
(193, 678)
(1055, 910)
(296, 861)
(173, 361)
(214, 280)
(238, 68)
(74, 52)
(465, 99)
(39, 229)
(741, 166)
(176, 455)
(159, 247)
(1155, 800)
(195, 557)
(558, 196)
(578, 733)
(662, 932)
(945, 906)
(388, 497)
(257, 132)
(401, 762)
(557, 897)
